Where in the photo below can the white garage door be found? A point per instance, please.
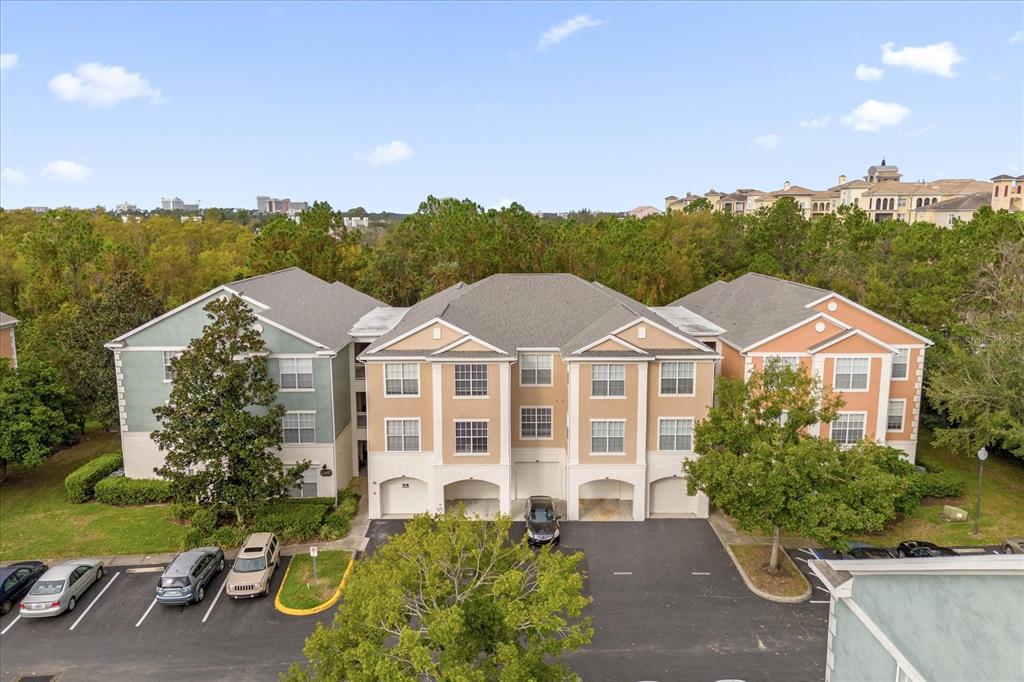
(668, 496)
(403, 497)
(539, 478)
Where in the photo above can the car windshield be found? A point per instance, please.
(174, 582)
(48, 587)
(542, 515)
(249, 565)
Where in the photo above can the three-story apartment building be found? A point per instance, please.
(873, 363)
(536, 384)
(304, 322)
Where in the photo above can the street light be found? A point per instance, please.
(982, 456)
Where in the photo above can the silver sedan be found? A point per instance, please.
(60, 588)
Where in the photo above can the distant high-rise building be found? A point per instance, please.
(172, 204)
(266, 204)
(125, 207)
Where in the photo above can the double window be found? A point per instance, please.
(900, 363)
(306, 487)
(608, 381)
(894, 416)
(535, 422)
(168, 356)
(471, 380)
(299, 427)
(471, 437)
(608, 437)
(402, 435)
(535, 369)
(675, 435)
(790, 361)
(296, 373)
(848, 428)
(851, 374)
(677, 378)
(401, 378)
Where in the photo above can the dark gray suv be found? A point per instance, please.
(185, 579)
(541, 521)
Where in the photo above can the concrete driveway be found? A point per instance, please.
(669, 605)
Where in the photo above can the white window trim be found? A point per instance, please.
(625, 372)
(300, 442)
(907, 377)
(520, 363)
(487, 379)
(419, 432)
(835, 371)
(536, 407)
(863, 435)
(314, 467)
(177, 353)
(471, 454)
(311, 389)
(693, 435)
(590, 439)
(903, 412)
(419, 380)
(661, 367)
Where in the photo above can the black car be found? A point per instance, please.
(16, 580)
(916, 549)
(541, 521)
(861, 551)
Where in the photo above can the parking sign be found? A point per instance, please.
(312, 550)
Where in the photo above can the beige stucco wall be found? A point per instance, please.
(7, 343)
(554, 396)
(381, 407)
(454, 409)
(608, 408)
(801, 338)
(655, 338)
(424, 339)
(856, 401)
(695, 406)
(870, 324)
(732, 362)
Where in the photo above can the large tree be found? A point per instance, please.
(37, 413)
(453, 598)
(758, 463)
(221, 429)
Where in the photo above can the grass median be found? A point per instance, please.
(37, 521)
(299, 592)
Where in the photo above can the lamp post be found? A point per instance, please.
(982, 456)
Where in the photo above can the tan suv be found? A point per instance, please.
(254, 566)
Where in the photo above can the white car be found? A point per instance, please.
(60, 588)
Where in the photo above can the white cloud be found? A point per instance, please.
(1017, 37)
(868, 73)
(8, 60)
(385, 154)
(99, 85)
(938, 59)
(10, 176)
(770, 141)
(66, 170)
(872, 115)
(557, 34)
(819, 122)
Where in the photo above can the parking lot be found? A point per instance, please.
(118, 632)
(669, 605)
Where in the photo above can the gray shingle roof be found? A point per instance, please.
(968, 202)
(511, 311)
(753, 306)
(7, 320)
(321, 311)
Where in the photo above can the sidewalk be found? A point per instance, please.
(729, 534)
(355, 541)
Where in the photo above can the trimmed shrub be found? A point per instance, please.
(193, 538)
(203, 520)
(339, 521)
(122, 492)
(939, 484)
(182, 511)
(293, 520)
(227, 537)
(81, 482)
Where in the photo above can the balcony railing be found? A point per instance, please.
(360, 420)
(360, 370)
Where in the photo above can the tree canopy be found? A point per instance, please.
(453, 598)
(37, 412)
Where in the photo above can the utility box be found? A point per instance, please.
(951, 513)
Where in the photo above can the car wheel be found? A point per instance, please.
(5, 607)
(99, 573)
(71, 604)
(200, 594)
(1007, 549)
(220, 566)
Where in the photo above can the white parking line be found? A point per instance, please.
(10, 625)
(800, 558)
(151, 605)
(622, 572)
(822, 589)
(807, 552)
(819, 602)
(214, 602)
(699, 573)
(146, 569)
(93, 602)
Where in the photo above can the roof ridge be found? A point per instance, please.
(274, 272)
(784, 281)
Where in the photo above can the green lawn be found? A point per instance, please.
(1002, 503)
(298, 591)
(38, 522)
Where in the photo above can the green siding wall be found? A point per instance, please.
(342, 399)
(858, 656)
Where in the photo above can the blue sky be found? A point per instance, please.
(380, 105)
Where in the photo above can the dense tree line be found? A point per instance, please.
(78, 278)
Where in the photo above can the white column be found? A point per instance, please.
(642, 370)
(573, 407)
(818, 372)
(885, 376)
(505, 389)
(437, 412)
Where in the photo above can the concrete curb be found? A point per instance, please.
(320, 607)
(767, 595)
